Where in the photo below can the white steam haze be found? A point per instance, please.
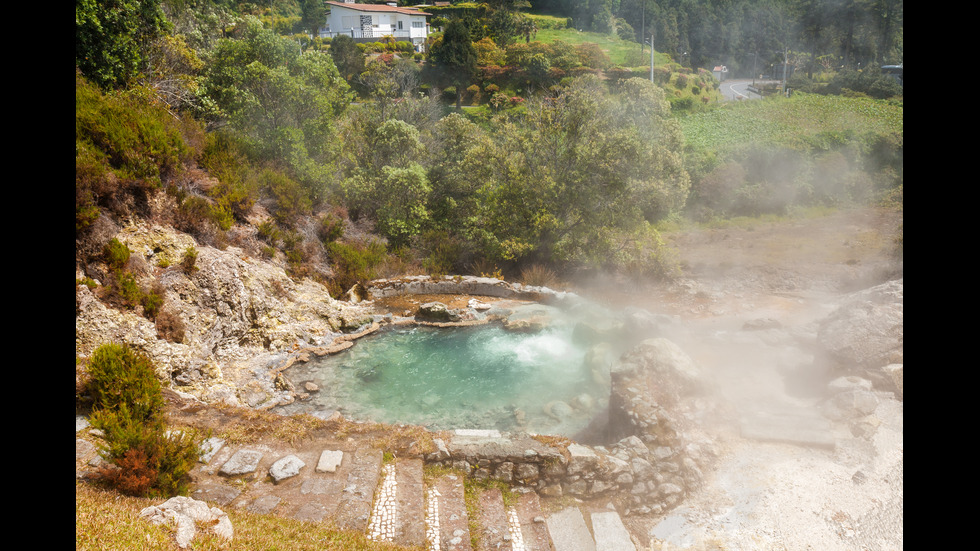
(749, 312)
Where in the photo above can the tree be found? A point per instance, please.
(348, 58)
(314, 16)
(112, 36)
(455, 57)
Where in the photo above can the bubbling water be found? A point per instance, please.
(483, 377)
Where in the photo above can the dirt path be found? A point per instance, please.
(784, 277)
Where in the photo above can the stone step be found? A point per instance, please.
(494, 523)
(357, 498)
(534, 528)
(609, 532)
(447, 523)
(569, 531)
(410, 499)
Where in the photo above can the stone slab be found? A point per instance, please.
(354, 509)
(494, 525)
(610, 533)
(329, 461)
(533, 525)
(286, 467)
(410, 530)
(216, 493)
(453, 530)
(242, 462)
(569, 531)
(789, 425)
(263, 505)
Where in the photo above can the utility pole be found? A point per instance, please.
(643, 25)
(785, 62)
(651, 57)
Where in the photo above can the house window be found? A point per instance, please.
(399, 25)
(418, 24)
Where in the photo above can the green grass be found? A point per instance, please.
(619, 51)
(801, 121)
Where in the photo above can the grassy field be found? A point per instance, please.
(800, 121)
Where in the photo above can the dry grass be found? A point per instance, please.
(249, 425)
(105, 520)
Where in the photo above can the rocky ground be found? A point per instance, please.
(763, 310)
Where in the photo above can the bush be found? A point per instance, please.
(121, 377)
(355, 263)
(189, 260)
(331, 227)
(116, 254)
(146, 459)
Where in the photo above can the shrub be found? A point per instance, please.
(116, 254)
(538, 276)
(169, 326)
(146, 459)
(331, 227)
(187, 263)
(355, 263)
(121, 377)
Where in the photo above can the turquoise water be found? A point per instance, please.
(469, 377)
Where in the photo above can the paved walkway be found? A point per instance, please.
(390, 499)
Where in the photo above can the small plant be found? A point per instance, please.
(116, 254)
(538, 276)
(331, 228)
(189, 260)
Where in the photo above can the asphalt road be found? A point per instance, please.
(739, 89)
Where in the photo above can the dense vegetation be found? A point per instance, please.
(493, 153)
(751, 36)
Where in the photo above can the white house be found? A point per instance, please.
(371, 22)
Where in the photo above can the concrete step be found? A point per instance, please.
(534, 528)
(447, 523)
(494, 532)
(609, 532)
(410, 499)
(569, 531)
(357, 498)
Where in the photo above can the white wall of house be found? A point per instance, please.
(363, 22)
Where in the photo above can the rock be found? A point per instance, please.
(184, 514)
(896, 373)
(286, 467)
(437, 312)
(557, 410)
(761, 324)
(534, 324)
(866, 332)
(581, 459)
(242, 462)
(662, 358)
(850, 404)
(329, 461)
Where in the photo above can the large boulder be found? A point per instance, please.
(864, 335)
(667, 362)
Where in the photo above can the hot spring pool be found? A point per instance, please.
(482, 377)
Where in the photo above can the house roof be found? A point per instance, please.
(375, 8)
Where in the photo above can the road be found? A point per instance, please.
(739, 89)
